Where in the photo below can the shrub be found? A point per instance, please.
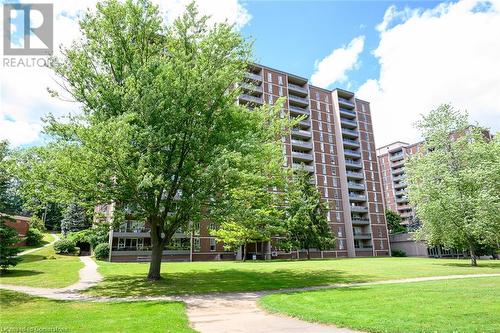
(101, 251)
(398, 253)
(37, 223)
(8, 253)
(34, 237)
(65, 246)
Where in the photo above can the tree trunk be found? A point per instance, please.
(473, 258)
(244, 257)
(156, 254)
(308, 254)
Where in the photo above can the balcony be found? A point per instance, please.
(353, 164)
(398, 164)
(298, 100)
(402, 200)
(355, 186)
(397, 157)
(346, 102)
(309, 168)
(348, 123)
(253, 76)
(302, 144)
(354, 175)
(250, 99)
(251, 87)
(398, 178)
(298, 111)
(398, 171)
(362, 236)
(403, 207)
(400, 192)
(364, 248)
(352, 153)
(306, 123)
(301, 133)
(360, 221)
(347, 113)
(298, 89)
(350, 133)
(302, 156)
(360, 209)
(357, 197)
(350, 143)
(400, 185)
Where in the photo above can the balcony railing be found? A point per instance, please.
(251, 87)
(362, 235)
(355, 175)
(350, 143)
(357, 197)
(253, 76)
(401, 200)
(302, 156)
(301, 133)
(298, 88)
(305, 123)
(398, 178)
(398, 171)
(359, 208)
(400, 192)
(358, 221)
(346, 102)
(353, 163)
(364, 248)
(301, 143)
(356, 186)
(348, 122)
(309, 168)
(397, 157)
(300, 100)
(400, 185)
(397, 164)
(350, 133)
(351, 152)
(252, 99)
(349, 113)
(297, 110)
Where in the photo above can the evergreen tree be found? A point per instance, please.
(394, 222)
(8, 238)
(75, 219)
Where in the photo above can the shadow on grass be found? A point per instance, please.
(491, 264)
(214, 281)
(18, 273)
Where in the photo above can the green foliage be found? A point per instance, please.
(75, 219)
(454, 182)
(37, 223)
(94, 236)
(306, 225)
(101, 251)
(8, 238)
(10, 202)
(398, 253)
(394, 222)
(34, 237)
(64, 246)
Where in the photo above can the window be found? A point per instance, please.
(196, 228)
(330, 136)
(331, 150)
(212, 244)
(269, 77)
(121, 243)
(325, 181)
(196, 245)
(270, 99)
(319, 116)
(338, 216)
(326, 192)
(323, 159)
(328, 119)
(270, 88)
(322, 145)
(341, 244)
(335, 184)
(280, 80)
(317, 95)
(318, 105)
(140, 243)
(320, 136)
(280, 90)
(381, 244)
(324, 169)
(326, 98)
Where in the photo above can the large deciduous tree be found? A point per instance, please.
(394, 222)
(454, 182)
(159, 117)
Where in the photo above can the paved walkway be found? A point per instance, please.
(56, 238)
(223, 312)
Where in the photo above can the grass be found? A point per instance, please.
(24, 313)
(128, 279)
(44, 268)
(458, 306)
(47, 238)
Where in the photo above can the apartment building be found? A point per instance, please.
(334, 142)
(391, 159)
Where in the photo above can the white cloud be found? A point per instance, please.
(448, 54)
(334, 66)
(23, 94)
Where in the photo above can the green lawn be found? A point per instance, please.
(47, 238)
(44, 268)
(22, 313)
(126, 279)
(458, 306)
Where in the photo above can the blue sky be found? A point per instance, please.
(404, 57)
(292, 35)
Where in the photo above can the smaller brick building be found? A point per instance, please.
(20, 224)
